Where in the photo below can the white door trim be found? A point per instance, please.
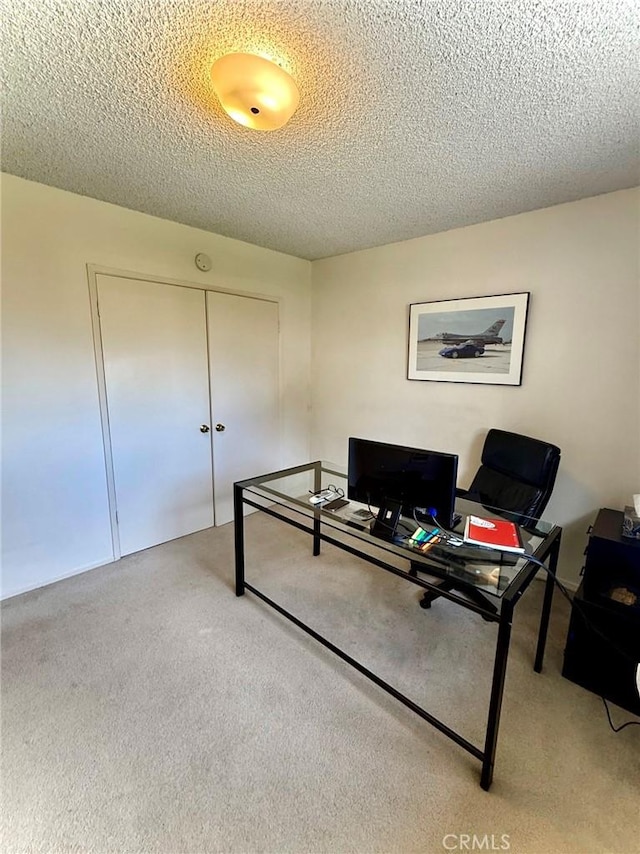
(98, 269)
(94, 270)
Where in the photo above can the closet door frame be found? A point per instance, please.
(94, 270)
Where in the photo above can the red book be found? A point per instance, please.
(495, 533)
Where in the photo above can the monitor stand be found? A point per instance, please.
(386, 521)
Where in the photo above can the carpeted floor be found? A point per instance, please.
(145, 708)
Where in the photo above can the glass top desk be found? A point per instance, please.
(285, 495)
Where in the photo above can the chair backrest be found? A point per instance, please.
(517, 473)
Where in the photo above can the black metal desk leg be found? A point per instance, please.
(316, 536)
(497, 688)
(317, 486)
(546, 605)
(238, 527)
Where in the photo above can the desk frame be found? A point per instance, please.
(548, 549)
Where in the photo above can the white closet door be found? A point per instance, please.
(244, 367)
(154, 342)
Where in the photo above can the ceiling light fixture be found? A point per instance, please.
(254, 91)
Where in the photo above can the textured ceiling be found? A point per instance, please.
(416, 116)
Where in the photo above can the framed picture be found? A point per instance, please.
(475, 340)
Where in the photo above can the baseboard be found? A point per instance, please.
(4, 596)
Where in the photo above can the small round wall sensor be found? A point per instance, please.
(203, 262)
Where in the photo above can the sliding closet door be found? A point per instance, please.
(154, 342)
(244, 367)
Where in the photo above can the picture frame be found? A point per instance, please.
(468, 340)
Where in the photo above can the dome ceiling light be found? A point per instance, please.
(254, 91)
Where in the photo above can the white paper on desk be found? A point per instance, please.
(636, 503)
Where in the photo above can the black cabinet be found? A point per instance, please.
(612, 561)
(603, 643)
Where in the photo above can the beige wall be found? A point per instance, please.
(581, 381)
(55, 517)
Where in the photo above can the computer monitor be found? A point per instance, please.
(399, 480)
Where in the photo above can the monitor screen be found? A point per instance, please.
(381, 475)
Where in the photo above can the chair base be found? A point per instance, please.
(476, 596)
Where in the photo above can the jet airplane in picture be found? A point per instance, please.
(489, 336)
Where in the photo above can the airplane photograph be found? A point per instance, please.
(468, 340)
(480, 333)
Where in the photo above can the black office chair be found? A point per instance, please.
(516, 476)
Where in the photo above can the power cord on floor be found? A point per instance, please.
(622, 726)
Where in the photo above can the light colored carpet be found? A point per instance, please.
(145, 708)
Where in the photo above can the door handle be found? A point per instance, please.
(220, 428)
(204, 428)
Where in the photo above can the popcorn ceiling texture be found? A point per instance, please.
(415, 116)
